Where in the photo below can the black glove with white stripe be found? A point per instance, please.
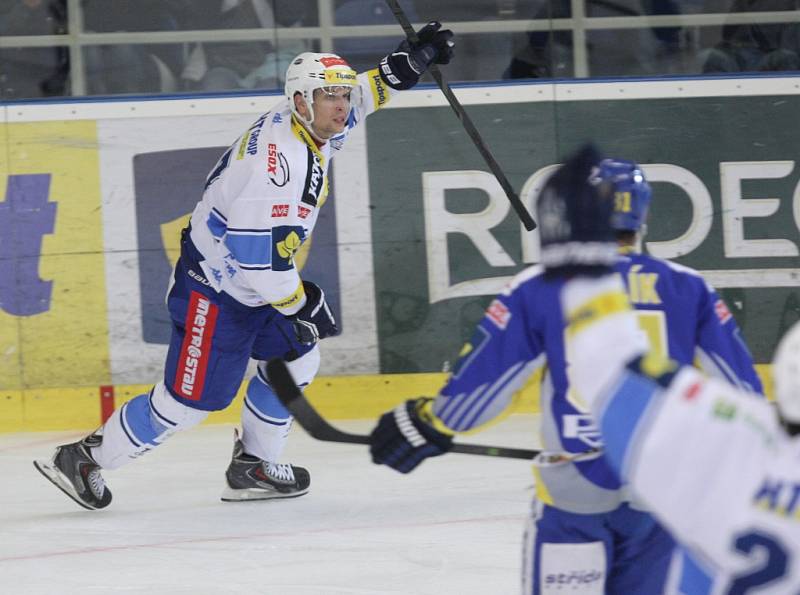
(402, 68)
(402, 439)
(314, 321)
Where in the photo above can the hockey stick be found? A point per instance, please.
(469, 127)
(312, 422)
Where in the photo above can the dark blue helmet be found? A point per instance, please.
(631, 193)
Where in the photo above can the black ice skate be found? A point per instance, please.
(73, 470)
(250, 478)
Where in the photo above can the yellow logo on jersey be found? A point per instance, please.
(642, 286)
(289, 246)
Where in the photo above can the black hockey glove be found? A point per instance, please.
(402, 439)
(402, 68)
(574, 215)
(314, 321)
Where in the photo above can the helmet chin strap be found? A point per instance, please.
(309, 123)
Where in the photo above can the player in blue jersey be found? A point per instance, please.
(236, 292)
(712, 462)
(585, 522)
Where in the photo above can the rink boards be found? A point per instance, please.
(418, 235)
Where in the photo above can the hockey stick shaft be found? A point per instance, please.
(312, 422)
(466, 122)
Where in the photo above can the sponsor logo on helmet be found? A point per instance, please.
(341, 77)
(328, 61)
(277, 166)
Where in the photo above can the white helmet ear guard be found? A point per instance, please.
(786, 375)
(310, 71)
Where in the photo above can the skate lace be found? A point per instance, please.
(96, 483)
(280, 472)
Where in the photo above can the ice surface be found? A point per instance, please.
(453, 526)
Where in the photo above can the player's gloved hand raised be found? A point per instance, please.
(314, 321)
(402, 439)
(402, 68)
(574, 215)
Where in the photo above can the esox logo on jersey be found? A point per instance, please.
(303, 212)
(277, 166)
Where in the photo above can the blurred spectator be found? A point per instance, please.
(28, 72)
(364, 53)
(755, 47)
(143, 68)
(550, 54)
(245, 64)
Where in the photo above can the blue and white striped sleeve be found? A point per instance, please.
(501, 355)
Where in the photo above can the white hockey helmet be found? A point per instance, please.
(786, 375)
(310, 71)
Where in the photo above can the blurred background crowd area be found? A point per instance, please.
(55, 48)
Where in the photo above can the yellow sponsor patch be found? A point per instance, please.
(293, 299)
(380, 92)
(53, 323)
(341, 77)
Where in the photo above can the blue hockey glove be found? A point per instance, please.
(402, 439)
(402, 68)
(574, 215)
(314, 321)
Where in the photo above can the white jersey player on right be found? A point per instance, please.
(712, 462)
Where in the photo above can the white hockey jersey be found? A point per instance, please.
(712, 462)
(262, 199)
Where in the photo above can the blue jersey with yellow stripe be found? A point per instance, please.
(523, 330)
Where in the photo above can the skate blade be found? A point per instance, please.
(254, 495)
(58, 479)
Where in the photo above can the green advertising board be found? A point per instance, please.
(725, 181)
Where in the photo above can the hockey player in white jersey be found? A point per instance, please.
(712, 462)
(585, 525)
(236, 292)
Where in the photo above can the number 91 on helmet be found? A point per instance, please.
(328, 72)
